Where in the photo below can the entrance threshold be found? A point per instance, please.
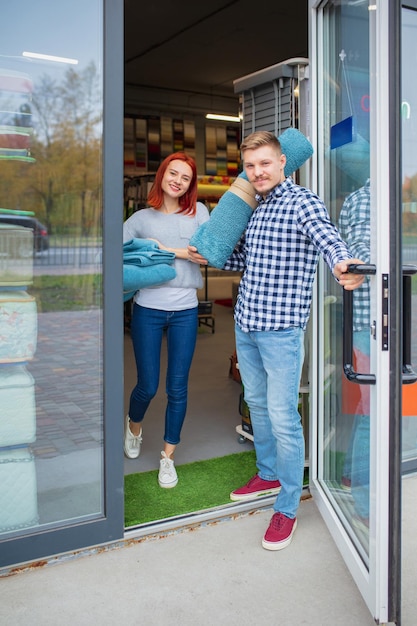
(155, 530)
(208, 516)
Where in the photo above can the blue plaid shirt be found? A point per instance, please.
(278, 254)
(355, 228)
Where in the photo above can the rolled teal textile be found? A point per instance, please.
(216, 239)
(296, 148)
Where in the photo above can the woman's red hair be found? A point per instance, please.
(188, 201)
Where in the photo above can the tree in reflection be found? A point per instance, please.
(63, 185)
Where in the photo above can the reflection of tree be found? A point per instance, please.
(63, 185)
(80, 119)
(45, 175)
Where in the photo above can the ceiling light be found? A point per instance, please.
(49, 57)
(223, 118)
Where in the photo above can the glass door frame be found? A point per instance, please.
(380, 583)
(110, 526)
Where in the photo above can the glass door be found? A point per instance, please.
(61, 95)
(357, 343)
(409, 224)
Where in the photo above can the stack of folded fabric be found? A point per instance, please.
(145, 265)
(216, 239)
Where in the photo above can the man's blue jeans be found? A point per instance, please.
(270, 364)
(147, 330)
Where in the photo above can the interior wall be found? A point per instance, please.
(181, 105)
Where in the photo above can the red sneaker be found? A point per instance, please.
(346, 483)
(280, 531)
(256, 487)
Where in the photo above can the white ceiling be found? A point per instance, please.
(198, 49)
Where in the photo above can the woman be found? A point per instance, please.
(171, 219)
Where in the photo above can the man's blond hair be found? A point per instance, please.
(258, 139)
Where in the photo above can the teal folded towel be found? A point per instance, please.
(145, 252)
(145, 265)
(137, 277)
(216, 239)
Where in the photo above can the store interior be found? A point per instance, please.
(174, 75)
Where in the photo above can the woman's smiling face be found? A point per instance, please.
(177, 179)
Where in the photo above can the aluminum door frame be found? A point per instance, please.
(380, 585)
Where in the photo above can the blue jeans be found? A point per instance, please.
(147, 330)
(270, 364)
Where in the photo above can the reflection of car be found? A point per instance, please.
(40, 232)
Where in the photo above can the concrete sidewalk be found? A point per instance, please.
(212, 575)
(215, 574)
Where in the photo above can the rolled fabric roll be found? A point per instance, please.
(296, 148)
(216, 239)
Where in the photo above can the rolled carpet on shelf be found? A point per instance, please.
(216, 239)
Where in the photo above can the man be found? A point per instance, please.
(355, 228)
(278, 254)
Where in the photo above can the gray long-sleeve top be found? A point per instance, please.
(173, 230)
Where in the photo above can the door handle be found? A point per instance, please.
(350, 373)
(409, 375)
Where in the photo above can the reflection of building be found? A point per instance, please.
(18, 337)
(15, 115)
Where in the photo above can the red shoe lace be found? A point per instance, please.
(279, 520)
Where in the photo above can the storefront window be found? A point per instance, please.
(51, 111)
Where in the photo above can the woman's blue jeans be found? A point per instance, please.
(270, 364)
(147, 330)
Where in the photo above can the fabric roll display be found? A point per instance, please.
(216, 239)
(145, 265)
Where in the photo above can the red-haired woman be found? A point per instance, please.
(172, 217)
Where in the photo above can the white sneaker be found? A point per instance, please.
(132, 442)
(167, 476)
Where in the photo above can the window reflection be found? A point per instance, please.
(51, 432)
(409, 222)
(347, 195)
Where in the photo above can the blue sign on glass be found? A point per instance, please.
(341, 133)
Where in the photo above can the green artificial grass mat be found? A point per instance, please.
(201, 485)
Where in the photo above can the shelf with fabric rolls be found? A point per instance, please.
(211, 188)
